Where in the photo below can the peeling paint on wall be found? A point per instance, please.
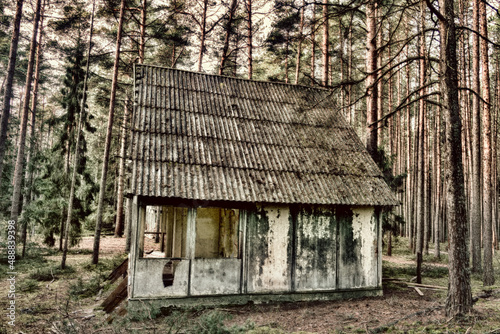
(316, 243)
(357, 248)
(268, 262)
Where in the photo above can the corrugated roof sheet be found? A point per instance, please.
(207, 137)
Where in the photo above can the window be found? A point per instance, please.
(217, 233)
(165, 229)
(165, 233)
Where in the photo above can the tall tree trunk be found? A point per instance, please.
(325, 45)
(488, 274)
(420, 141)
(475, 205)
(227, 37)
(299, 45)
(203, 36)
(4, 121)
(248, 4)
(76, 156)
(32, 142)
(18, 172)
(109, 132)
(371, 78)
(120, 217)
(459, 299)
(380, 87)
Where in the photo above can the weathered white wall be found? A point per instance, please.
(358, 252)
(148, 279)
(269, 250)
(316, 250)
(215, 276)
(333, 251)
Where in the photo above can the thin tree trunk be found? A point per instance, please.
(109, 132)
(121, 174)
(380, 95)
(142, 45)
(488, 274)
(249, 38)
(371, 85)
(299, 45)
(203, 35)
(313, 45)
(18, 172)
(4, 121)
(325, 45)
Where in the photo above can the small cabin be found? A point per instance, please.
(244, 190)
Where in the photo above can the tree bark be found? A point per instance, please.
(109, 132)
(4, 121)
(459, 299)
(420, 141)
(121, 174)
(488, 274)
(475, 195)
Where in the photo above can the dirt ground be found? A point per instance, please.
(400, 310)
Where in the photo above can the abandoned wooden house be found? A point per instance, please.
(242, 190)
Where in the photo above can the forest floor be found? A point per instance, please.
(51, 300)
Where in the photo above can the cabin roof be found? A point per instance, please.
(213, 138)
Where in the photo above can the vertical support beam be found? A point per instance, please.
(190, 242)
(133, 227)
(378, 218)
(242, 250)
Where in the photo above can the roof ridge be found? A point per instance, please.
(233, 78)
